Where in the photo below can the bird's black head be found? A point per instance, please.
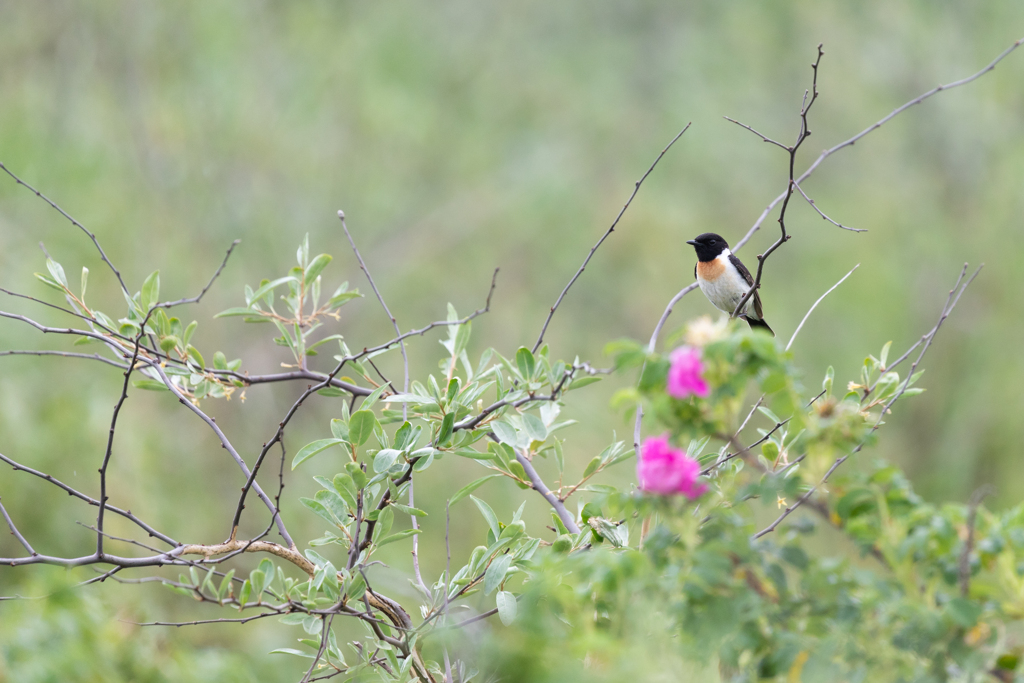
(708, 246)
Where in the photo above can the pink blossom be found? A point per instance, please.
(684, 375)
(666, 471)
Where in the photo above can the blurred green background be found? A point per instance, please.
(458, 137)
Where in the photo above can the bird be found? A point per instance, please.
(725, 280)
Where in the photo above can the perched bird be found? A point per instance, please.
(725, 280)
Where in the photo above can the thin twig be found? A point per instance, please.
(62, 212)
(784, 237)
(820, 299)
(822, 213)
(197, 298)
(878, 124)
(763, 137)
(66, 354)
(965, 556)
(127, 514)
(636, 188)
(15, 532)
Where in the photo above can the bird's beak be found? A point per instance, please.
(691, 242)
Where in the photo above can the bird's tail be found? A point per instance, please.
(758, 323)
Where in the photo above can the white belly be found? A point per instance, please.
(725, 291)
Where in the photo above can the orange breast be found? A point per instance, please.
(710, 270)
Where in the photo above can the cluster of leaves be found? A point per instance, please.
(935, 594)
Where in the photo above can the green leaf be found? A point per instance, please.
(346, 488)
(384, 459)
(361, 426)
(48, 282)
(220, 362)
(335, 503)
(495, 573)
(401, 535)
(462, 338)
(340, 429)
(516, 468)
(187, 336)
(357, 474)
(243, 596)
(506, 607)
(592, 466)
(237, 311)
(884, 356)
(85, 281)
(309, 450)
(963, 612)
(469, 488)
(416, 512)
(769, 414)
(151, 290)
(150, 385)
(318, 508)
(316, 266)
(57, 271)
(355, 587)
(291, 651)
(489, 516)
(525, 362)
(384, 521)
(581, 382)
(505, 432)
(535, 427)
(194, 354)
(447, 424)
(341, 298)
(372, 398)
(269, 287)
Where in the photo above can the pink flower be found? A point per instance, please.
(684, 375)
(664, 470)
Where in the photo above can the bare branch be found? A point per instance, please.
(127, 514)
(197, 298)
(226, 444)
(822, 213)
(540, 487)
(62, 212)
(802, 135)
(15, 532)
(763, 137)
(66, 354)
(820, 299)
(636, 188)
(878, 124)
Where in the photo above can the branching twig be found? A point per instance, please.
(802, 135)
(951, 301)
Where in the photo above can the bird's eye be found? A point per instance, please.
(712, 242)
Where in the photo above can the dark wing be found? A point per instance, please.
(750, 281)
(742, 268)
(694, 271)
